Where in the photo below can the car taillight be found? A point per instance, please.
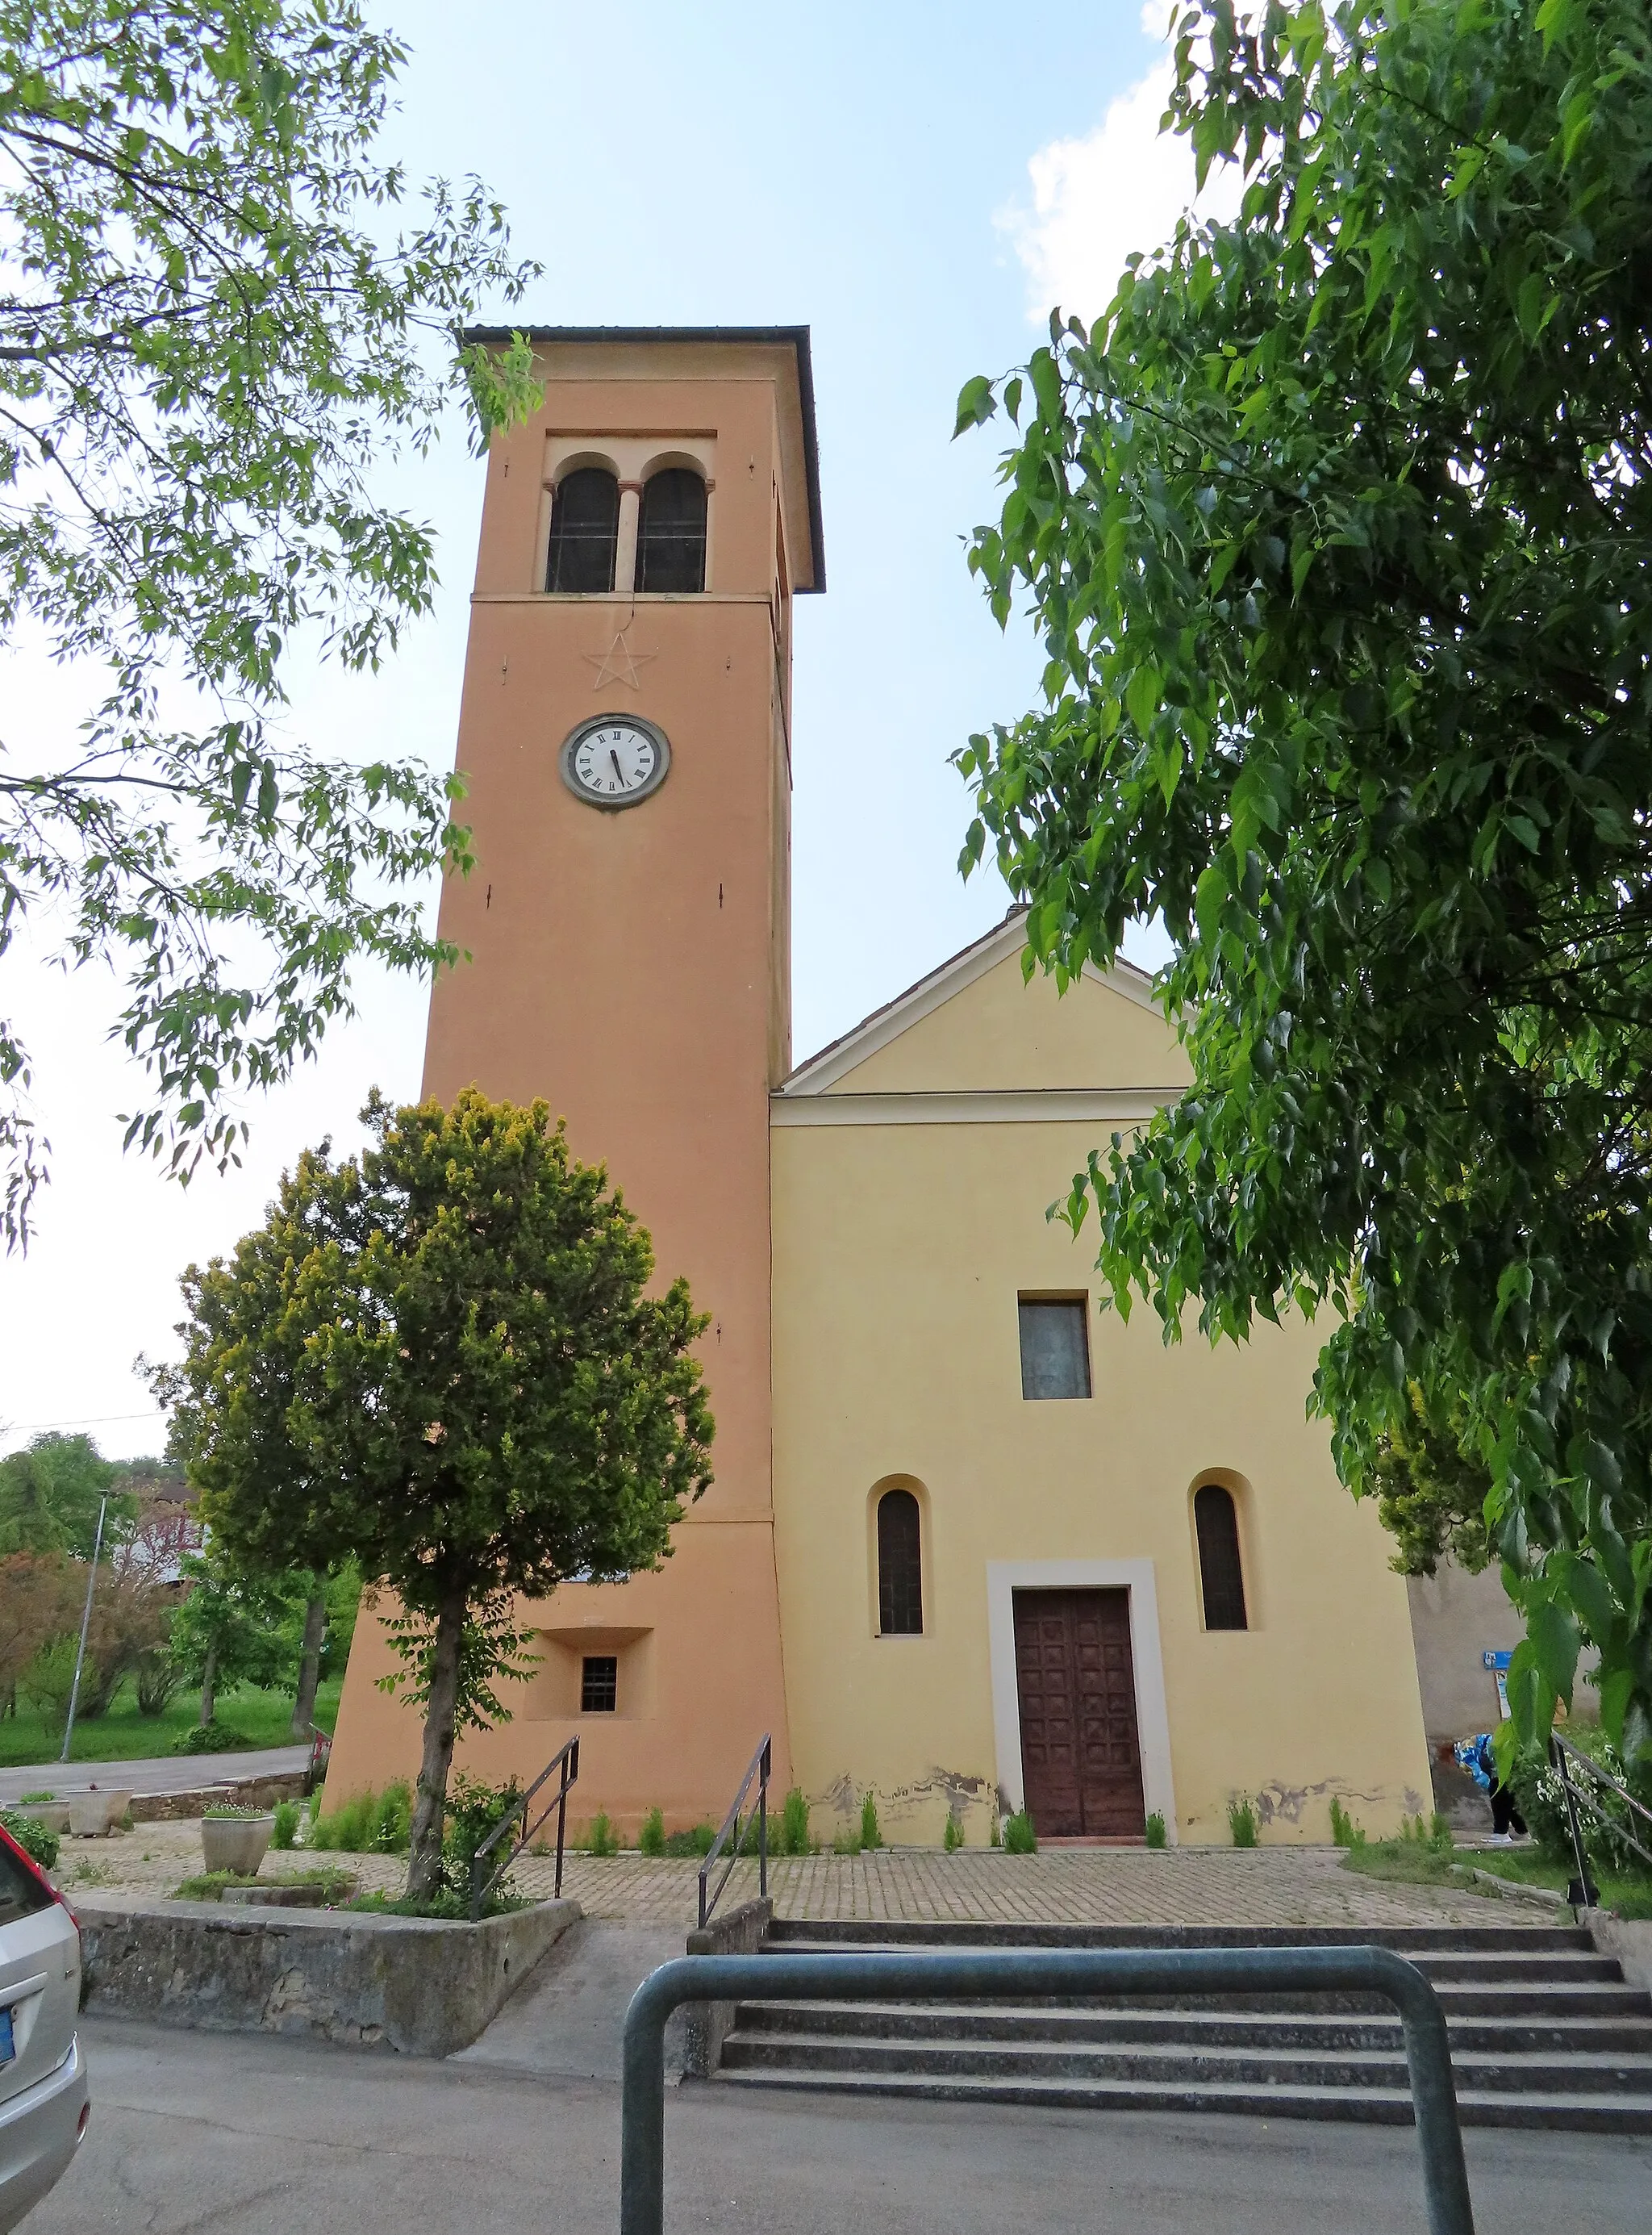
(35, 1871)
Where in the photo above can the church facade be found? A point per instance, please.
(973, 1546)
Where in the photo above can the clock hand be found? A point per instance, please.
(619, 771)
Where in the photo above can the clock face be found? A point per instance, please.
(615, 760)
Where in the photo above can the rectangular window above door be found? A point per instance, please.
(1055, 1347)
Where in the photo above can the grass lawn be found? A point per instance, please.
(1412, 1862)
(260, 1719)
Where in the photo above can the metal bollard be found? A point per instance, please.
(966, 1976)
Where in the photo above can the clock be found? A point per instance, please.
(615, 760)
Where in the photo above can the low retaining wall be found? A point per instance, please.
(238, 1793)
(168, 1807)
(405, 1983)
(1628, 1938)
(708, 2025)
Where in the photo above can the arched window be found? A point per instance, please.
(1216, 1525)
(585, 530)
(671, 531)
(900, 1566)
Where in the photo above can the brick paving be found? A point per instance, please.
(1192, 1885)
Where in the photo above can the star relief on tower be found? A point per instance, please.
(620, 663)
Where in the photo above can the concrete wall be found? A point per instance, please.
(402, 1982)
(1455, 1619)
(741, 1932)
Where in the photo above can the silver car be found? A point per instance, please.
(43, 2102)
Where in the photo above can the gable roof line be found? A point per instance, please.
(831, 1062)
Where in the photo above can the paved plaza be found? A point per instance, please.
(1192, 1885)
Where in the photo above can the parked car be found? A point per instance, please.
(43, 2099)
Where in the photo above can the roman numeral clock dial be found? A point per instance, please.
(615, 761)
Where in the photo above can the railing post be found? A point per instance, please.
(1557, 1756)
(762, 1824)
(570, 1765)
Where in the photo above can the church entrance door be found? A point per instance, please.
(1081, 1754)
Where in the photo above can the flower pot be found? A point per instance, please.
(236, 1842)
(94, 1815)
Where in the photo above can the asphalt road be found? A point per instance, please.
(196, 2134)
(167, 1772)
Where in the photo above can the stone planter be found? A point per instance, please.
(52, 1815)
(236, 1842)
(411, 1983)
(94, 1815)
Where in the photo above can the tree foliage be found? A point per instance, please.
(1337, 526)
(227, 1629)
(50, 1493)
(1431, 1494)
(439, 1361)
(217, 316)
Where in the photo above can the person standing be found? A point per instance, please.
(1475, 1755)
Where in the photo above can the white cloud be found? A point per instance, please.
(1120, 188)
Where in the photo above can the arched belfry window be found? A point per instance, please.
(671, 531)
(1216, 1523)
(900, 1565)
(585, 530)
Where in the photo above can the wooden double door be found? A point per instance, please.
(1080, 1750)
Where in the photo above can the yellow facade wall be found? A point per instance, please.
(900, 1250)
(999, 1035)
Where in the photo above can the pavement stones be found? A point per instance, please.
(1106, 1885)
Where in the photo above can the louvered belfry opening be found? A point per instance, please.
(671, 531)
(1216, 1523)
(900, 1565)
(585, 530)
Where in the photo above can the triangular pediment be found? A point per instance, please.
(976, 1026)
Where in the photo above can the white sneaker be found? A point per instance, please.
(1500, 1839)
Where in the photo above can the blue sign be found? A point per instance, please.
(1488, 1659)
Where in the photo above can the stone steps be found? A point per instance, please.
(1544, 2032)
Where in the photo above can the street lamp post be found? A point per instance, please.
(86, 1623)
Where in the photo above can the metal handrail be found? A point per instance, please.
(1036, 1972)
(1576, 1796)
(321, 1746)
(731, 1823)
(568, 1762)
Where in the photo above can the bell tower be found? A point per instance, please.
(624, 734)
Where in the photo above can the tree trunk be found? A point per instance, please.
(303, 1707)
(430, 1798)
(209, 1675)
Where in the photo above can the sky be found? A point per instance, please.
(917, 184)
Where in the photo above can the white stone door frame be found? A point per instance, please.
(1004, 1579)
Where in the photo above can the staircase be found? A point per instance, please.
(1543, 2031)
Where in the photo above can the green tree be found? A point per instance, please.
(50, 1492)
(318, 1634)
(214, 324)
(226, 1630)
(1431, 1494)
(439, 1361)
(1337, 526)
